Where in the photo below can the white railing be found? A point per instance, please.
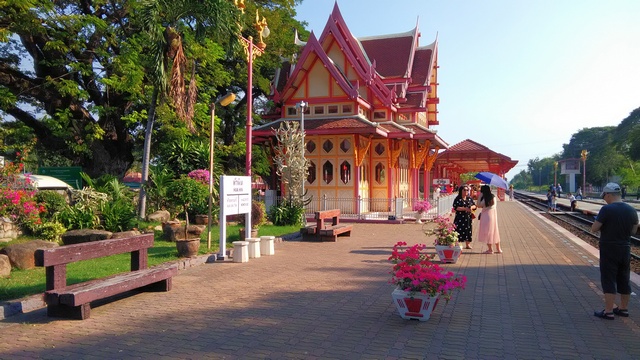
(369, 209)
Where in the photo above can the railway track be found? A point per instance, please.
(578, 224)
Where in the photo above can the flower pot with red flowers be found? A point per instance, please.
(446, 239)
(420, 284)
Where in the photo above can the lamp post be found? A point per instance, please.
(224, 101)
(583, 156)
(555, 169)
(302, 107)
(252, 50)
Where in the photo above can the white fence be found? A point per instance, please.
(369, 209)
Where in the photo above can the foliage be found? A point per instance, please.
(287, 213)
(201, 175)
(159, 180)
(118, 215)
(291, 165)
(49, 230)
(445, 231)
(258, 215)
(189, 194)
(17, 196)
(78, 217)
(52, 202)
(422, 206)
(413, 272)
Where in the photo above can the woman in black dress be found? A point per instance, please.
(463, 205)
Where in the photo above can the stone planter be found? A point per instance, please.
(418, 307)
(419, 217)
(188, 247)
(202, 219)
(448, 253)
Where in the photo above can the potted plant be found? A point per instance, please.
(419, 282)
(446, 242)
(258, 218)
(187, 193)
(421, 207)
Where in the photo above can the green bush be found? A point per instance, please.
(287, 213)
(119, 215)
(78, 217)
(50, 231)
(53, 202)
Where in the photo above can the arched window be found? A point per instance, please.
(327, 172)
(380, 176)
(311, 177)
(345, 172)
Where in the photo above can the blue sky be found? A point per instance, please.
(518, 77)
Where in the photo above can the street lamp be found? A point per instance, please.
(555, 169)
(583, 156)
(302, 106)
(252, 50)
(224, 101)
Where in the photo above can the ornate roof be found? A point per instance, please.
(470, 156)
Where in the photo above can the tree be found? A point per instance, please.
(290, 162)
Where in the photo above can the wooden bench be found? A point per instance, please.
(74, 301)
(321, 231)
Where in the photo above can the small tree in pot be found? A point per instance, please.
(258, 218)
(187, 193)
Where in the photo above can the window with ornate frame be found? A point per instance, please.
(380, 173)
(345, 172)
(327, 172)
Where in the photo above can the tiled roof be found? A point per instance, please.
(467, 145)
(391, 54)
(420, 70)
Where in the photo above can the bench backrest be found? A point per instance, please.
(321, 216)
(56, 259)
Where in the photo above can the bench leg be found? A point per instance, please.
(163, 285)
(72, 312)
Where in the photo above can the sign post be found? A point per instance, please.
(235, 198)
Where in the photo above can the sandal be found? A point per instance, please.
(620, 312)
(604, 315)
(487, 252)
(498, 252)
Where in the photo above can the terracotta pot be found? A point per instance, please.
(202, 219)
(188, 247)
(254, 233)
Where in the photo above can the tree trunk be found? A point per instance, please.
(142, 201)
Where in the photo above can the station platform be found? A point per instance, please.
(333, 301)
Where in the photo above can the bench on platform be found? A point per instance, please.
(321, 231)
(74, 301)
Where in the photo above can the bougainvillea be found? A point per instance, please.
(413, 272)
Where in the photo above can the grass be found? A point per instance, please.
(23, 283)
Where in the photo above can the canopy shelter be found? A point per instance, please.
(470, 156)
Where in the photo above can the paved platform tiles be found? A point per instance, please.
(332, 301)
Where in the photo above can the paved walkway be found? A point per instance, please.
(332, 301)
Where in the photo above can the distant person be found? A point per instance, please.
(549, 199)
(616, 221)
(554, 202)
(436, 193)
(511, 192)
(488, 228)
(463, 205)
(623, 191)
(579, 193)
(559, 190)
(572, 201)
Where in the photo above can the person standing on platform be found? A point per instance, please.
(463, 205)
(616, 221)
(559, 190)
(549, 199)
(510, 192)
(488, 229)
(579, 193)
(554, 202)
(572, 201)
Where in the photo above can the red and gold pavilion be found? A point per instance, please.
(372, 107)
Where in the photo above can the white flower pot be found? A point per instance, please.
(448, 254)
(418, 307)
(418, 217)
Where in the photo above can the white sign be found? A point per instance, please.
(235, 198)
(440, 181)
(236, 194)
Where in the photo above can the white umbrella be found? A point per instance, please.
(492, 179)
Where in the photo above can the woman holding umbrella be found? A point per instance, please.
(464, 206)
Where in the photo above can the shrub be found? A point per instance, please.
(78, 217)
(287, 213)
(258, 215)
(119, 215)
(188, 194)
(52, 201)
(50, 230)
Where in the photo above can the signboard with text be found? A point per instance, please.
(235, 198)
